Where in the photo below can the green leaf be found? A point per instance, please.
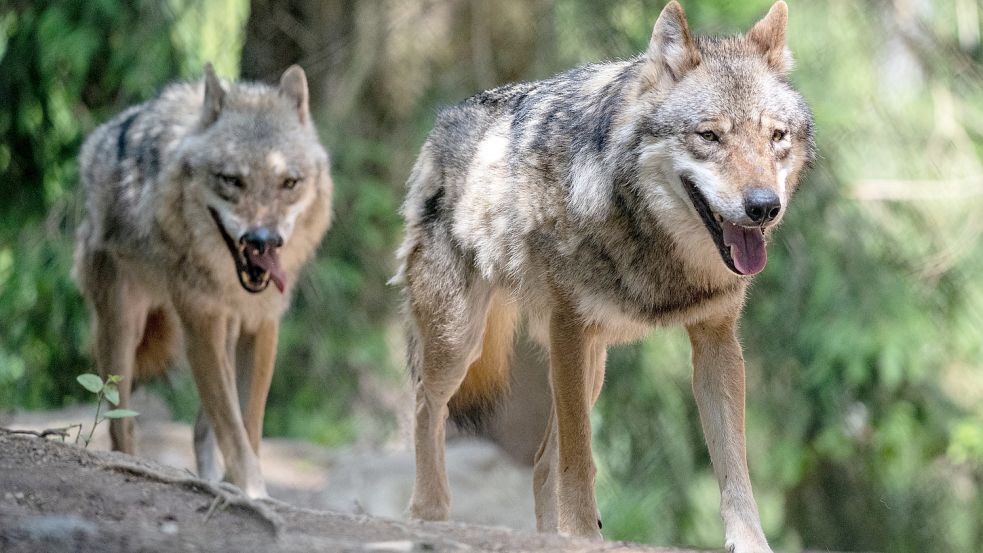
(120, 414)
(111, 393)
(113, 379)
(90, 382)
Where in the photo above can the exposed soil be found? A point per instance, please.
(59, 497)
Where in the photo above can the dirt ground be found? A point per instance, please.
(59, 497)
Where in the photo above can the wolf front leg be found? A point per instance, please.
(574, 373)
(718, 385)
(255, 358)
(547, 458)
(206, 335)
(119, 308)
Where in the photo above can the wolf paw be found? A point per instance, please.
(428, 510)
(594, 535)
(740, 546)
(590, 530)
(256, 490)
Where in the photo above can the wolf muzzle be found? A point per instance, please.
(256, 257)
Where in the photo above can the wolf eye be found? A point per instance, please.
(289, 184)
(230, 180)
(778, 135)
(709, 136)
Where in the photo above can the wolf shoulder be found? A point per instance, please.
(138, 139)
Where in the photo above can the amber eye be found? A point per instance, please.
(289, 184)
(778, 135)
(230, 180)
(709, 136)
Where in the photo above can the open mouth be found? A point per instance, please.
(742, 248)
(254, 268)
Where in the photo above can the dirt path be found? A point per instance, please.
(57, 497)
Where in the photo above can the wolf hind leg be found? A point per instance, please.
(450, 327)
(206, 449)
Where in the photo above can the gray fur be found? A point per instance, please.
(621, 250)
(162, 181)
(598, 203)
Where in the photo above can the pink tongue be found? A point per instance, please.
(747, 248)
(269, 261)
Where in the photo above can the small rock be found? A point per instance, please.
(398, 546)
(56, 528)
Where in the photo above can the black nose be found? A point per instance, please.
(261, 238)
(762, 205)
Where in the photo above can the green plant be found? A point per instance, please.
(107, 390)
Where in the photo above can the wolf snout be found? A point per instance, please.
(261, 239)
(762, 205)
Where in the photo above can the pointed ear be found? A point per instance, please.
(214, 97)
(293, 86)
(768, 35)
(671, 52)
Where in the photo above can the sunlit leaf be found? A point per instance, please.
(90, 382)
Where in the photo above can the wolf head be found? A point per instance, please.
(725, 131)
(255, 164)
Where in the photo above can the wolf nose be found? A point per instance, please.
(762, 205)
(261, 239)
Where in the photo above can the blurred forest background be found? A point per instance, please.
(864, 335)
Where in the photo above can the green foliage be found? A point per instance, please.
(861, 333)
(65, 66)
(332, 376)
(865, 400)
(109, 391)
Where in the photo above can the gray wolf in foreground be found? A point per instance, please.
(597, 204)
(195, 202)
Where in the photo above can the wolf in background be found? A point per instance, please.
(196, 201)
(598, 204)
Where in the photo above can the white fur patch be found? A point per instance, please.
(287, 223)
(234, 226)
(276, 162)
(782, 177)
(492, 149)
(590, 184)
(660, 165)
(602, 78)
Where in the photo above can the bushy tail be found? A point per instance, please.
(159, 346)
(488, 378)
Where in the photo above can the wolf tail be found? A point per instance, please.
(159, 346)
(488, 378)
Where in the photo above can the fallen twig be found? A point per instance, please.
(60, 432)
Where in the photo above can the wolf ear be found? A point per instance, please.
(293, 86)
(214, 97)
(768, 35)
(671, 52)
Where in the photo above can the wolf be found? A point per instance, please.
(596, 205)
(195, 202)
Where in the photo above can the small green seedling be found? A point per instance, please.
(107, 390)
